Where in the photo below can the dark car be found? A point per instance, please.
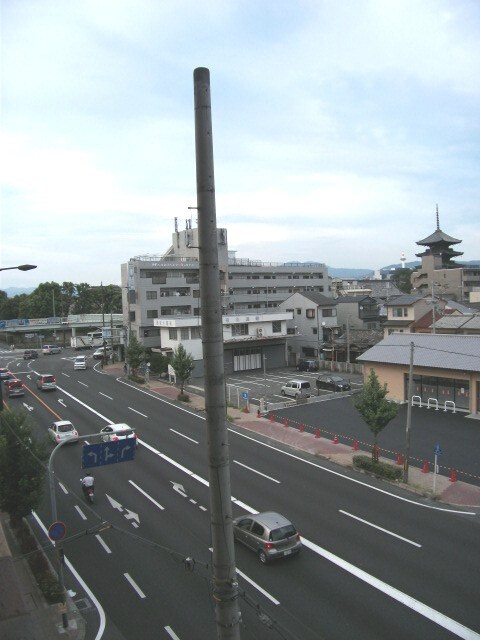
(5, 374)
(15, 388)
(333, 383)
(307, 365)
(30, 354)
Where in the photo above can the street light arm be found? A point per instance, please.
(22, 267)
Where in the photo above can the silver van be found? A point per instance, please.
(296, 389)
(46, 382)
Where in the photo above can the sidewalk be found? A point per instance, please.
(452, 493)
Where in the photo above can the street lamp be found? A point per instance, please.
(22, 267)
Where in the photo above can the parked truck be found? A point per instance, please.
(79, 343)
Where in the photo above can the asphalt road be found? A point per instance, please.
(376, 564)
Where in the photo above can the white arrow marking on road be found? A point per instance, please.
(179, 488)
(27, 407)
(114, 503)
(131, 515)
(62, 403)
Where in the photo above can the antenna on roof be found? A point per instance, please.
(438, 221)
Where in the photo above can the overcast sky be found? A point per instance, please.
(338, 125)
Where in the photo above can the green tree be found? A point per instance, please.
(403, 279)
(183, 364)
(134, 354)
(374, 408)
(22, 470)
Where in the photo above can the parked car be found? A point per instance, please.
(46, 382)
(120, 431)
(101, 351)
(269, 534)
(62, 430)
(49, 349)
(80, 362)
(296, 389)
(5, 374)
(333, 383)
(307, 365)
(15, 388)
(30, 354)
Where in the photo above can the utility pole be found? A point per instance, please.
(409, 415)
(225, 585)
(433, 310)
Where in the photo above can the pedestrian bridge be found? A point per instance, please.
(68, 325)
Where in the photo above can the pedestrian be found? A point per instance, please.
(125, 368)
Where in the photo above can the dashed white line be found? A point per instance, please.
(184, 436)
(105, 395)
(80, 512)
(64, 489)
(370, 524)
(258, 587)
(146, 495)
(171, 633)
(255, 471)
(99, 538)
(134, 585)
(82, 383)
(135, 411)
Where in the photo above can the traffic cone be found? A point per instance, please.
(285, 423)
(247, 410)
(317, 433)
(335, 440)
(425, 467)
(271, 418)
(355, 445)
(453, 475)
(258, 413)
(399, 459)
(300, 428)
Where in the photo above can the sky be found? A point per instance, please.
(338, 126)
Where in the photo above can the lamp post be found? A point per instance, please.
(21, 267)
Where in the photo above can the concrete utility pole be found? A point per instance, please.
(225, 586)
(409, 415)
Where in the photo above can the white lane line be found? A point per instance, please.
(424, 610)
(257, 586)
(171, 633)
(146, 495)
(258, 472)
(135, 411)
(184, 436)
(64, 489)
(105, 395)
(65, 374)
(370, 524)
(82, 383)
(134, 585)
(104, 545)
(82, 515)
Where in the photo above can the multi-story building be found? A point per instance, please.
(169, 285)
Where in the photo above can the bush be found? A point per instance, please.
(380, 469)
(49, 586)
(183, 397)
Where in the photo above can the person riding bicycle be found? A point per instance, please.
(87, 482)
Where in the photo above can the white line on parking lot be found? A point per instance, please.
(134, 585)
(258, 472)
(370, 524)
(184, 436)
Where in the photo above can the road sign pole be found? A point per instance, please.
(434, 473)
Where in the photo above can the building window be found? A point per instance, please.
(152, 313)
(277, 326)
(328, 313)
(131, 316)
(152, 332)
(151, 295)
(400, 312)
(195, 333)
(184, 333)
(240, 329)
(299, 312)
(310, 313)
(172, 334)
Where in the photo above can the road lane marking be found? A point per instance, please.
(171, 633)
(65, 374)
(257, 586)
(370, 524)
(258, 472)
(146, 495)
(82, 515)
(104, 545)
(82, 383)
(135, 411)
(64, 489)
(134, 585)
(105, 395)
(184, 436)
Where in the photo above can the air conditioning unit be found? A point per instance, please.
(259, 333)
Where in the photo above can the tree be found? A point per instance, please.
(22, 465)
(134, 354)
(374, 408)
(183, 364)
(402, 278)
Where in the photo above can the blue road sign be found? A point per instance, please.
(245, 395)
(56, 531)
(102, 453)
(438, 450)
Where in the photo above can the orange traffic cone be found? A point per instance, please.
(317, 433)
(258, 413)
(271, 418)
(247, 410)
(300, 428)
(355, 445)
(425, 467)
(335, 440)
(285, 423)
(399, 458)
(453, 475)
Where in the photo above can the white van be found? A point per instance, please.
(296, 389)
(80, 362)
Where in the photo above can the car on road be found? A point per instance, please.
(50, 349)
(30, 354)
(46, 382)
(333, 383)
(296, 389)
(62, 430)
(101, 351)
(15, 388)
(80, 362)
(120, 431)
(5, 374)
(269, 534)
(307, 365)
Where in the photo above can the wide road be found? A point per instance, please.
(377, 563)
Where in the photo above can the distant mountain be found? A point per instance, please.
(16, 291)
(349, 273)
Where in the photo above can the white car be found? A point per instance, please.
(80, 362)
(101, 351)
(49, 349)
(62, 430)
(120, 431)
(296, 389)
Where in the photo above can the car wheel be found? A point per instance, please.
(262, 556)
(283, 393)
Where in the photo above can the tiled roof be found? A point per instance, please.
(318, 298)
(439, 351)
(403, 300)
(451, 322)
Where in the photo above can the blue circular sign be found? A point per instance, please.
(56, 531)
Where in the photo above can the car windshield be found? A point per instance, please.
(282, 533)
(336, 379)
